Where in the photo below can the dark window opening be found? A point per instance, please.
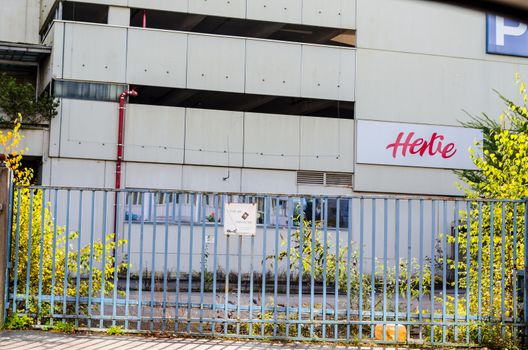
(34, 163)
(87, 90)
(242, 27)
(161, 96)
(80, 12)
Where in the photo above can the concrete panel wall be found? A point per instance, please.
(205, 62)
(214, 137)
(164, 176)
(154, 137)
(157, 58)
(34, 141)
(104, 62)
(19, 21)
(88, 129)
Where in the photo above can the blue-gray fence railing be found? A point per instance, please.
(385, 269)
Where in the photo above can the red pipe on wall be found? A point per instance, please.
(120, 148)
(144, 18)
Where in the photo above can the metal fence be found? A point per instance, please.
(354, 269)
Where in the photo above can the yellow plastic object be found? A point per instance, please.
(391, 330)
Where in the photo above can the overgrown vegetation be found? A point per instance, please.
(19, 99)
(45, 254)
(495, 235)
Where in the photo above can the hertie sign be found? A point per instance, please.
(416, 145)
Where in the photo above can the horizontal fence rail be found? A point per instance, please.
(354, 269)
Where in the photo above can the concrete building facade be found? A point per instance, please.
(253, 96)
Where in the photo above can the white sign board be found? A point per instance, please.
(240, 219)
(416, 145)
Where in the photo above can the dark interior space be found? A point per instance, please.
(81, 12)
(243, 102)
(242, 27)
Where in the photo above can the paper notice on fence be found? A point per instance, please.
(240, 219)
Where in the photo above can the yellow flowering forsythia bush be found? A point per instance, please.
(38, 248)
(503, 163)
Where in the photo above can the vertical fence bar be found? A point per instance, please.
(289, 209)
(503, 264)
(103, 259)
(516, 268)
(167, 200)
(264, 243)
(276, 270)
(457, 208)
(348, 271)
(54, 255)
(468, 275)
(140, 279)
(251, 280)
(301, 272)
(397, 272)
(7, 242)
(181, 197)
(433, 279)
(128, 217)
(30, 241)
(202, 267)
(79, 268)
(41, 248)
(190, 273)
(226, 286)
(444, 271)
(66, 253)
(361, 257)
(385, 251)
(154, 217)
(479, 282)
(239, 284)
(421, 285)
(116, 261)
(409, 265)
(337, 267)
(492, 259)
(373, 271)
(215, 260)
(312, 261)
(17, 241)
(90, 273)
(526, 269)
(325, 263)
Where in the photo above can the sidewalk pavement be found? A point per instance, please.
(34, 340)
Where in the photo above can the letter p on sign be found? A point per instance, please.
(506, 37)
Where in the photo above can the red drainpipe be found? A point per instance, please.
(120, 148)
(144, 18)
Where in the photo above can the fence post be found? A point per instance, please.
(4, 205)
(525, 294)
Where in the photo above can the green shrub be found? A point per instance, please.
(18, 322)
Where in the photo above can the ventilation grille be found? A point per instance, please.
(324, 179)
(310, 178)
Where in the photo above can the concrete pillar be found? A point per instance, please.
(4, 205)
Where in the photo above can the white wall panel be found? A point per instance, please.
(325, 13)
(210, 179)
(348, 14)
(406, 180)
(160, 176)
(444, 87)
(55, 132)
(347, 75)
(224, 8)
(105, 61)
(327, 144)
(216, 63)
(269, 181)
(273, 68)
(56, 38)
(165, 5)
(154, 134)
(77, 172)
(157, 58)
(119, 16)
(320, 72)
(286, 11)
(89, 129)
(214, 137)
(20, 22)
(271, 141)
